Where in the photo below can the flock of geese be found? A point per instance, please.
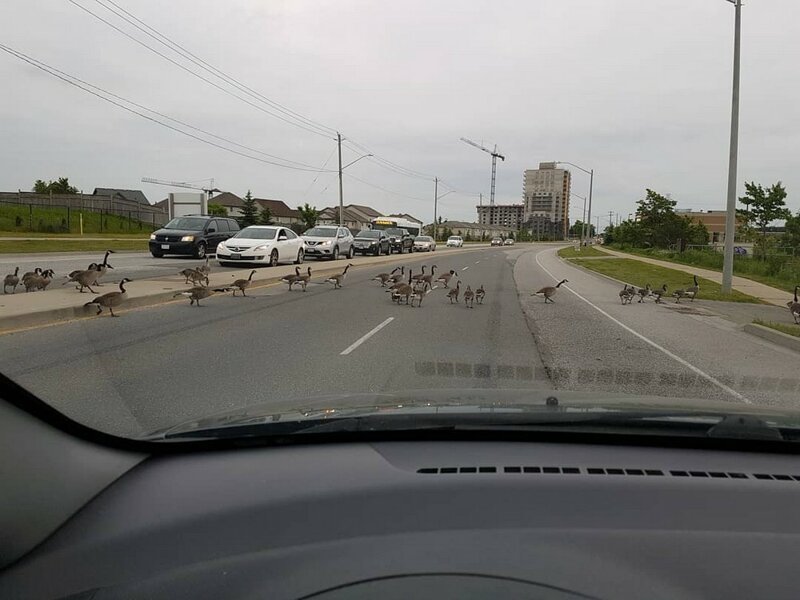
(414, 288)
(628, 293)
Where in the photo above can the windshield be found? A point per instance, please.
(187, 223)
(256, 233)
(321, 232)
(585, 230)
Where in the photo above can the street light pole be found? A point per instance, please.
(435, 207)
(733, 157)
(341, 199)
(590, 173)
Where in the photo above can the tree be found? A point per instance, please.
(763, 207)
(308, 215)
(249, 210)
(60, 186)
(577, 229)
(468, 236)
(217, 210)
(792, 236)
(265, 218)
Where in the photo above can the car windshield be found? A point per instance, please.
(321, 232)
(587, 235)
(256, 233)
(187, 223)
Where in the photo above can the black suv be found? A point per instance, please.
(400, 239)
(372, 241)
(196, 235)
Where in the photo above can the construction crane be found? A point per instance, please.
(182, 184)
(495, 155)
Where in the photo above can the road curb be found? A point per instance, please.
(57, 316)
(774, 336)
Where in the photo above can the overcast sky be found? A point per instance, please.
(638, 90)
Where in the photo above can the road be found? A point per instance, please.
(158, 366)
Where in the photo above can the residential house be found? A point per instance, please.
(125, 195)
(231, 202)
(407, 217)
(355, 217)
(281, 213)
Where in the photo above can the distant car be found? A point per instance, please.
(372, 241)
(262, 244)
(508, 242)
(195, 235)
(496, 241)
(328, 241)
(455, 241)
(424, 243)
(400, 239)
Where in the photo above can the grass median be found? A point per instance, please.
(587, 251)
(639, 274)
(782, 327)
(70, 245)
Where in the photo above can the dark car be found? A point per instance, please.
(372, 241)
(400, 240)
(195, 235)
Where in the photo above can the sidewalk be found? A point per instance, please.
(763, 292)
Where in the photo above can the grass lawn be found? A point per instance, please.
(639, 274)
(572, 252)
(75, 236)
(70, 245)
(21, 218)
(782, 327)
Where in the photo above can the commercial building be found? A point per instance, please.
(546, 193)
(504, 215)
(476, 231)
(714, 220)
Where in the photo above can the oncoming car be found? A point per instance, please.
(455, 241)
(509, 242)
(262, 244)
(328, 241)
(496, 241)
(424, 243)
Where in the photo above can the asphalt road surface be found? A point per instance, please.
(159, 366)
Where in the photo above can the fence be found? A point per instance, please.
(54, 218)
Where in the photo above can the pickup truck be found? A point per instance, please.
(400, 240)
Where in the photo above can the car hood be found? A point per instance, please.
(316, 238)
(464, 402)
(366, 239)
(180, 232)
(247, 242)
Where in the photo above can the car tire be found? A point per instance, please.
(300, 257)
(157, 254)
(335, 255)
(273, 259)
(200, 250)
(351, 253)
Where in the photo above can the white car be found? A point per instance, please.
(424, 243)
(328, 241)
(455, 241)
(262, 244)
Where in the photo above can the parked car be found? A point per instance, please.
(424, 243)
(372, 241)
(496, 241)
(508, 242)
(455, 241)
(262, 244)
(195, 235)
(328, 241)
(400, 240)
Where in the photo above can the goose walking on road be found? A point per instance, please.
(111, 299)
(659, 293)
(794, 306)
(304, 279)
(291, 279)
(549, 291)
(104, 266)
(242, 284)
(644, 292)
(446, 277)
(469, 297)
(626, 294)
(84, 279)
(480, 294)
(453, 294)
(694, 289)
(337, 279)
(382, 278)
(11, 281)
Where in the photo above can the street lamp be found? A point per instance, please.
(589, 172)
(583, 218)
(733, 157)
(342, 168)
(436, 197)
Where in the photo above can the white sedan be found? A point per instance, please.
(424, 243)
(261, 244)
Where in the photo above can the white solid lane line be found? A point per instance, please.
(365, 337)
(647, 340)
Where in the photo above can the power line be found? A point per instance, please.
(325, 164)
(383, 189)
(184, 68)
(99, 94)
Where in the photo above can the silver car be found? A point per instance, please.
(424, 243)
(328, 241)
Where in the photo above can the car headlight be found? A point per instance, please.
(187, 238)
(373, 243)
(328, 243)
(152, 236)
(261, 247)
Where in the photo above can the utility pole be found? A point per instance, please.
(435, 207)
(733, 157)
(341, 201)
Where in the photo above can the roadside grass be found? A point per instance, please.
(70, 245)
(776, 271)
(573, 252)
(19, 218)
(639, 274)
(782, 327)
(141, 235)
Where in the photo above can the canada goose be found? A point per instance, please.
(626, 294)
(469, 297)
(200, 292)
(194, 276)
(398, 285)
(794, 306)
(205, 268)
(659, 292)
(401, 288)
(678, 294)
(104, 266)
(84, 279)
(33, 282)
(111, 299)
(36, 271)
(382, 278)
(419, 276)
(694, 289)
(337, 279)
(421, 289)
(11, 281)
(644, 292)
(429, 277)
(480, 294)
(397, 278)
(291, 279)
(446, 277)
(44, 279)
(304, 279)
(242, 284)
(549, 291)
(453, 294)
